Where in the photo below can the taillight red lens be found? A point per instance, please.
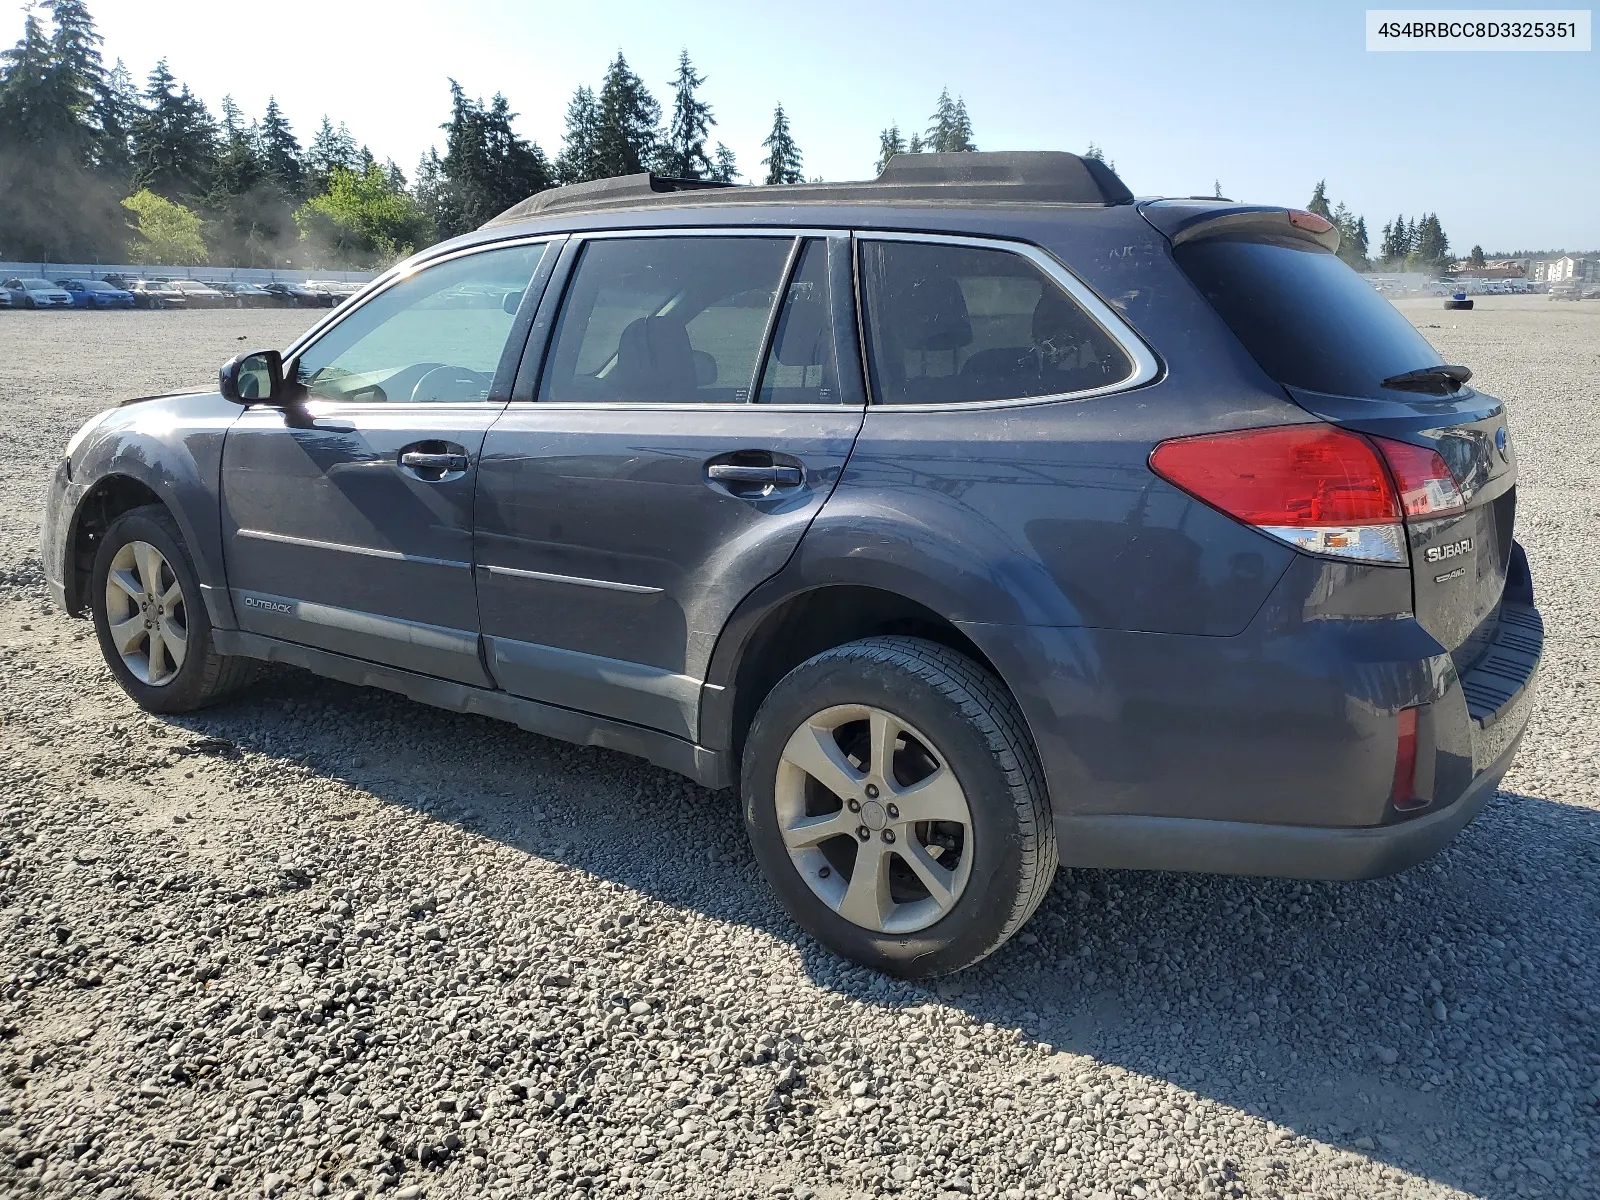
(1403, 794)
(1320, 488)
(1427, 489)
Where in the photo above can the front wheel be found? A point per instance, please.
(150, 620)
(896, 805)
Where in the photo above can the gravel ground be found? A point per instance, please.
(323, 941)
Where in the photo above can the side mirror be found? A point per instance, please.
(511, 302)
(254, 378)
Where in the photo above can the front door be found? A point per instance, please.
(698, 400)
(347, 515)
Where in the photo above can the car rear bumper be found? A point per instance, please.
(1272, 752)
(1279, 851)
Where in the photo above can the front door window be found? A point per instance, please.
(436, 336)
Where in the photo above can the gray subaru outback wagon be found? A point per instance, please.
(967, 520)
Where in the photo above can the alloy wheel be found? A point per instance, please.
(874, 819)
(146, 613)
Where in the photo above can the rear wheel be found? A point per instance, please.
(150, 620)
(895, 803)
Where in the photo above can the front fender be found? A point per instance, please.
(171, 445)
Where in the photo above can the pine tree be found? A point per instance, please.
(726, 168)
(914, 144)
(576, 162)
(486, 167)
(950, 128)
(1216, 189)
(280, 151)
(26, 113)
(118, 107)
(626, 128)
(783, 161)
(1095, 153)
(941, 126)
(684, 152)
(174, 139)
(330, 149)
(890, 143)
(961, 131)
(1476, 257)
(1431, 248)
(77, 76)
(1319, 200)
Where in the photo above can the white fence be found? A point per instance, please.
(39, 270)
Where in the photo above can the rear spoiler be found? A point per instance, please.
(1189, 220)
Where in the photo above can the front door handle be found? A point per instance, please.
(422, 460)
(743, 475)
(434, 461)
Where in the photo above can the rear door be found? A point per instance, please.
(697, 402)
(347, 515)
(1321, 331)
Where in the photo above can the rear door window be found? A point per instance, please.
(668, 320)
(1304, 315)
(957, 324)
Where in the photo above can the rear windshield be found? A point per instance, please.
(1305, 316)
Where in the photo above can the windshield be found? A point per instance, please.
(36, 285)
(1304, 315)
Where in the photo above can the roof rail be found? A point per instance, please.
(1009, 176)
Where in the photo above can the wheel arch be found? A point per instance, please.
(771, 634)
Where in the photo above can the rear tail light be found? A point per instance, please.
(1317, 487)
(1427, 489)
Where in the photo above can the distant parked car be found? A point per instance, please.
(117, 280)
(246, 295)
(157, 293)
(36, 293)
(337, 288)
(5, 298)
(91, 293)
(200, 295)
(297, 295)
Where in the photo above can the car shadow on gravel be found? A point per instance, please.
(1397, 1018)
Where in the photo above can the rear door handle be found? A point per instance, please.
(741, 474)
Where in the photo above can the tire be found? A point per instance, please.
(159, 682)
(1458, 304)
(961, 740)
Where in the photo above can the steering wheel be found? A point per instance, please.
(444, 384)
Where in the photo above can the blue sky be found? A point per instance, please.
(1266, 98)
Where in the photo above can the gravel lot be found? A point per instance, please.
(324, 941)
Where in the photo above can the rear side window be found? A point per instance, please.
(665, 320)
(955, 324)
(1304, 315)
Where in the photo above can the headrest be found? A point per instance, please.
(799, 341)
(931, 314)
(654, 357)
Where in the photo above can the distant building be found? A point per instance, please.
(1568, 268)
(1495, 268)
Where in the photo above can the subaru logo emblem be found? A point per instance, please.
(1502, 440)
